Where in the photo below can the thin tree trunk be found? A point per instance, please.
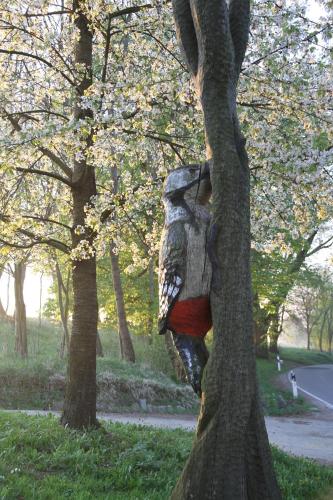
(40, 300)
(278, 302)
(176, 362)
(274, 332)
(308, 332)
(126, 345)
(321, 332)
(99, 347)
(63, 302)
(231, 457)
(260, 326)
(3, 311)
(150, 322)
(80, 399)
(21, 340)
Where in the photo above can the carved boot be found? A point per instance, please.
(194, 355)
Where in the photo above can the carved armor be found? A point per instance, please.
(185, 269)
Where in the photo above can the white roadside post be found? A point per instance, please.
(279, 362)
(293, 383)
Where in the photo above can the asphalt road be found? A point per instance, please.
(317, 382)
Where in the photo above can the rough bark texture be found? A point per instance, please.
(80, 399)
(63, 302)
(261, 323)
(21, 340)
(230, 458)
(150, 319)
(174, 357)
(3, 312)
(126, 345)
(99, 347)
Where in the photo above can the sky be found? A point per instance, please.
(33, 280)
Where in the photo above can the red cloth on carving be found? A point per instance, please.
(191, 317)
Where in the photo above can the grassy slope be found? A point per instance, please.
(25, 383)
(40, 459)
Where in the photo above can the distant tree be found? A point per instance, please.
(21, 338)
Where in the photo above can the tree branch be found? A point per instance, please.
(53, 13)
(47, 174)
(47, 152)
(286, 46)
(45, 219)
(186, 33)
(326, 244)
(239, 19)
(37, 111)
(40, 59)
(130, 10)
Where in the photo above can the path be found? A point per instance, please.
(306, 437)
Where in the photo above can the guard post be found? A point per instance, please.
(294, 384)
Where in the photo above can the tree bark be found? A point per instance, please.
(40, 300)
(99, 347)
(150, 321)
(308, 334)
(3, 312)
(176, 361)
(80, 399)
(126, 345)
(275, 328)
(321, 332)
(63, 302)
(21, 340)
(230, 458)
(260, 325)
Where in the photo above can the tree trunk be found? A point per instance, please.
(126, 345)
(150, 322)
(21, 340)
(278, 303)
(176, 362)
(321, 332)
(260, 325)
(63, 302)
(260, 339)
(231, 457)
(274, 332)
(80, 399)
(99, 347)
(3, 312)
(40, 300)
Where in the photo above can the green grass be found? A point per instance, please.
(276, 401)
(26, 383)
(304, 357)
(39, 459)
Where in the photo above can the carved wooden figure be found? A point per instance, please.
(185, 270)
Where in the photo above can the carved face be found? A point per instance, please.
(190, 182)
